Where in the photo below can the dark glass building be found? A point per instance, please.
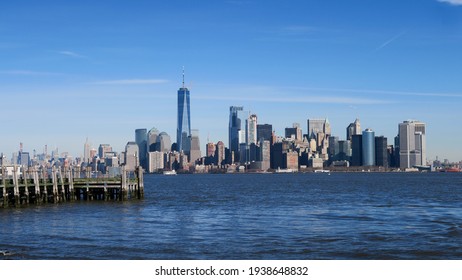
(368, 143)
(141, 139)
(183, 132)
(356, 150)
(234, 129)
(264, 131)
(381, 151)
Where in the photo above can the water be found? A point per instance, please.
(252, 216)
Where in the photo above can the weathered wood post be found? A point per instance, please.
(16, 186)
(123, 185)
(63, 189)
(54, 179)
(5, 193)
(45, 185)
(37, 186)
(140, 182)
(71, 184)
(26, 185)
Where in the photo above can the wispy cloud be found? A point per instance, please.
(452, 2)
(131, 82)
(297, 29)
(288, 95)
(306, 99)
(394, 38)
(71, 54)
(382, 92)
(29, 73)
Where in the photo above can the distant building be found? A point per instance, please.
(86, 151)
(156, 161)
(93, 154)
(103, 150)
(412, 144)
(195, 151)
(333, 149)
(294, 132)
(368, 144)
(234, 130)
(291, 160)
(265, 150)
(344, 150)
(220, 153)
(353, 129)
(319, 130)
(264, 131)
(183, 133)
(152, 140)
(251, 130)
(381, 151)
(141, 139)
(164, 143)
(131, 156)
(24, 159)
(357, 150)
(210, 149)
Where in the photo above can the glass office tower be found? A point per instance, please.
(183, 132)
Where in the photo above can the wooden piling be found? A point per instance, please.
(37, 186)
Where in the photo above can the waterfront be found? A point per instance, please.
(252, 216)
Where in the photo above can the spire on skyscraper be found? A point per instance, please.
(183, 76)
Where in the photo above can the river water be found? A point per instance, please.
(252, 216)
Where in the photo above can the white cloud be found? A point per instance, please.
(72, 54)
(29, 73)
(452, 2)
(287, 95)
(132, 82)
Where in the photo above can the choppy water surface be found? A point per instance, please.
(252, 216)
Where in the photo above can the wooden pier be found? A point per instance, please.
(34, 186)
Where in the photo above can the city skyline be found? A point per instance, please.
(99, 71)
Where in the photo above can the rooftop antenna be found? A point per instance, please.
(183, 76)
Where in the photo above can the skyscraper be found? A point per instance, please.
(368, 146)
(319, 129)
(86, 151)
(103, 149)
(265, 132)
(164, 143)
(131, 156)
(183, 132)
(412, 144)
(356, 150)
(353, 129)
(295, 131)
(195, 149)
(152, 140)
(381, 151)
(251, 130)
(220, 153)
(141, 139)
(234, 129)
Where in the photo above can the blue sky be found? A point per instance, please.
(101, 69)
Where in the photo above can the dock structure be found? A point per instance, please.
(58, 185)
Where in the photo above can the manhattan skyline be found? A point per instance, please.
(102, 70)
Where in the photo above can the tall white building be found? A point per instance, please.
(86, 151)
(412, 144)
(132, 158)
(156, 161)
(251, 130)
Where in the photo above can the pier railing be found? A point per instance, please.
(20, 187)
